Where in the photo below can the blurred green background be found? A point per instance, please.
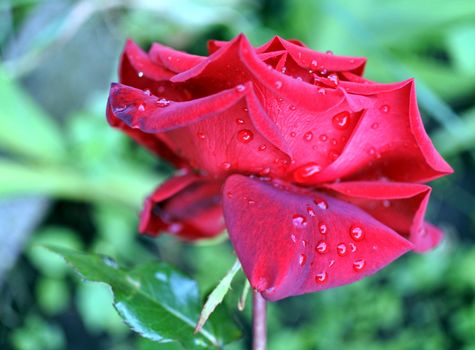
(67, 178)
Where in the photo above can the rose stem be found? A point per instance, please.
(259, 327)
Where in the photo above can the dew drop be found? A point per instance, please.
(229, 194)
(308, 136)
(386, 203)
(264, 171)
(141, 108)
(147, 92)
(332, 262)
(262, 148)
(323, 137)
(323, 228)
(321, 203)
(384, 108)
(240, 121)
(299, 78)
(292, 107)
(375, 126)
(278, 84)
(293, 238)
(321, 247)
(226, 165)
(240, 88)
(314, 64)
(251, 202)
(304, 243)
(321, 277)
(341, 249)
(299, 221)
(201, 136)
(293, 134)
(310, 211)
(334, 79)
(322, 91)
(352, 247)
(163, 102)
(302, 259)
(245, 136)
(303, 173)
(359, 265)
(140, 74)
(357, 233)
(341, 121)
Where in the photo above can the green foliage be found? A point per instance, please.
(154, 299)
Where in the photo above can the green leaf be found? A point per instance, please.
(154, 299)
(217, 295)
(26, 129)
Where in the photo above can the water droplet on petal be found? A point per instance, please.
(140, 74)
(332, 262)
(321, 277)
(278, 84)
(357, 233)
(240, 121)
(341, 249)
(302, 259)
(321, 203)
(308, 136)
(245, 136)
(229, 194)
(359, 265)
(329, 52)
(314, 64)
(386, 203)
(292, 107)
(141, 108)
(321, 247)
(293, 238)
(333, 78)
(322, 91)
(147, 92)
(293, 134)
(299, 221)
(264, 171)
(163, 102)
(201, 135)
(323, 228)
(375, 126)
(341, 121)
(323, 137)
(303, 173)
(251, 201)
(240, 88)
(384, 108)
(226, 166)
(310, 211)
(352, 247)
(262, 148)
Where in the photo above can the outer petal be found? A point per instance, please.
(220, 133)
(173, 60)
(389, 140)
(289, 244)
(188, 206)
(400, 206)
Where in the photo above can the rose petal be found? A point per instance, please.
(389, 140)
(152, 142)
(173, 60)
(400, 206)
(188, 206)
(279, 236)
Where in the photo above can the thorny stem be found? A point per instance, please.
(259, 327)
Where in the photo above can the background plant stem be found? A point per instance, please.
(259, 322)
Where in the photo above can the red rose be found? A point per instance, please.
(317, 170)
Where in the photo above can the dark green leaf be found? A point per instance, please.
(154, 299)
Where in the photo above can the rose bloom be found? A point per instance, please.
(315, 171)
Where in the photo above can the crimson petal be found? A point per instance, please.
(400, 206)
(188, 206)
(291, 241)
